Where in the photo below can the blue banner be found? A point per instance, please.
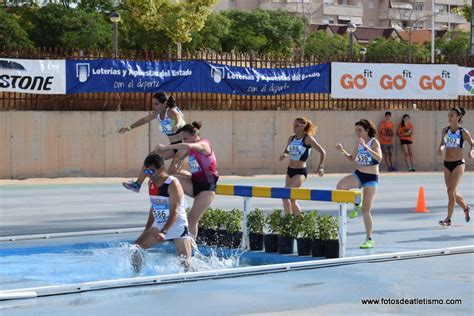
(109, 75)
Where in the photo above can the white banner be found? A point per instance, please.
(33, 76)
(393, 81)
(466, 81)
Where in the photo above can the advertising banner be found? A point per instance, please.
(466, 81)
(394, 81)
(108, 75)
(32, 76)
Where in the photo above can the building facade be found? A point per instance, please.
(416, 14)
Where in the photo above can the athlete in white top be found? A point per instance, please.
(167, 219)
(170, 120)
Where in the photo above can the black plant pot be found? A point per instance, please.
(256, 241)
(285, 245)
(235, 239)
(317, 248)
(331, 248)
(200, 238)
(210, 237)
(304, 246)
(223, 239)
(271, 243)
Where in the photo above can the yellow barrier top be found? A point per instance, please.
(335, 196)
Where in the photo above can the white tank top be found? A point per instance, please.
(166, 124)
(159, 199)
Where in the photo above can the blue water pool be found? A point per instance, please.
(98, 261)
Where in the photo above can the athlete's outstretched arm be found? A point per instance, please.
(138, 123)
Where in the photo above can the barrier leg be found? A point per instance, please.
(342, 229)
(245, 235)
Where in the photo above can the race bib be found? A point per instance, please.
(452, 140)
(160, 212)
(193, 165)
(363, 158)
(165, 126)
(296, 149)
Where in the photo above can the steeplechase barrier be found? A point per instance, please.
(341, 197)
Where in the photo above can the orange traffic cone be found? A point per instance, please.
(421, 204)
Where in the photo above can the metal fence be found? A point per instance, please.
(205, 101)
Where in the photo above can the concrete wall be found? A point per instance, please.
(65, 144)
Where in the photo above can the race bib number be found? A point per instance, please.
(363, 158)
(165, 126)
(160, 212)
(452, 141)
(193, 165)
(295, 149)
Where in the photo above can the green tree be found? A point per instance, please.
(177, 19)
(55, 25)
(12, 35)
(216, 28)
(382, 50)
(102, 6)
(455, 48)
(134, 36)
(266, 32)
(465, 11)
(325, 47)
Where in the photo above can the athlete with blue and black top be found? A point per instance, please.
(170, 120)
(367, 155)
(299, 149)
(453, 139)
(167, 220)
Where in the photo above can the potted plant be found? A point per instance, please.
(308, 230)
(287, 233)
(255, 224)
(233, 226)
(222, 237)
(209, 224)
(329, 230)
(273, 223)
(317, 246)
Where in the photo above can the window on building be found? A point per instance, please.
(371, 4)
(418, 25)
(328, 21)
(418, 6)
(371, 23)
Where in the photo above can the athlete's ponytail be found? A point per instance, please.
(309, 127)
(192, 128)
(164, 98)
(171, 102)
(460, 112)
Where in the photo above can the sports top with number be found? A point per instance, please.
(159, 198)
(454, 139)
(386, 132)
(167, 124)
(298, 150)
(363, 156)
(203, 167)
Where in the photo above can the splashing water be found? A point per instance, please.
(112, 261)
